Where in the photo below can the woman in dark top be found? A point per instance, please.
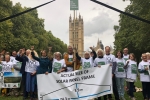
(45, 63)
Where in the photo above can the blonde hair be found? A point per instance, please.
(148, 54)
(100, 51)
(143, 55)
(59, 54)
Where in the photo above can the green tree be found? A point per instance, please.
(132, 33)
(25, 30)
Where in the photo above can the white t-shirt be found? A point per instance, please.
(57, 65)
(18, 64)
(70, 69)
(132, 70)
(126, 57)
(144, 77)
(31, 65)
(100, 61)
(12, 59)
(110, 58)
(87, 63)
(7, 66)
(120, 71)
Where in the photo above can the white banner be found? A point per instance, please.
(77, 85)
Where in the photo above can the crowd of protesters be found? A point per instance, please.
(124, 69)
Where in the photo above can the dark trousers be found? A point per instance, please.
(115, 91)
(105, 97)
(23, 83)
(146, 90)
(131, 89)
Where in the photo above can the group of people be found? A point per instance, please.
(124, 68)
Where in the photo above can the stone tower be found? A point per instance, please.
(76, 34)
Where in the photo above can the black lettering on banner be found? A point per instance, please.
(62, 81)
(74, 79)
(79, 73)
(87, 77)
(86, 71)
(67, 75)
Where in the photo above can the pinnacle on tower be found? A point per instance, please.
(70, 18)
(79, 16)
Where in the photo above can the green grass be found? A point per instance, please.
(137, 95)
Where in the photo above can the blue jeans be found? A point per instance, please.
(120, 86)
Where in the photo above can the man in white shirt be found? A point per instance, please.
(112, 61)
(125, 54)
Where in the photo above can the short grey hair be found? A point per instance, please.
(86, 52)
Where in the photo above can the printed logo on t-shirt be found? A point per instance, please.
(134, 68)
(57, 67)
(70, 59)
(30, 65)
(6, 67)
(125, 59)
(12, 60)
(101, 63)
(109, 59)
(86, 64)
(120, 67)
(146, 72)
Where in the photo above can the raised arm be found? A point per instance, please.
(94, 53)
(19, 58)
(78, 57)
(34, 57)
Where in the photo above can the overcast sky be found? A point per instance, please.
(98, 20)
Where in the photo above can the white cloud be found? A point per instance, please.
(98, 20)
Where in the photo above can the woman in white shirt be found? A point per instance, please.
(131, 67)
(58, 63)
(87, 61)
(144, 76)
(120, 74)
(98, 62)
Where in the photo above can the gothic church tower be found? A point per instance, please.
(76, 34)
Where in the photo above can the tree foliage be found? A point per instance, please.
(25, 30)
(132, 33)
